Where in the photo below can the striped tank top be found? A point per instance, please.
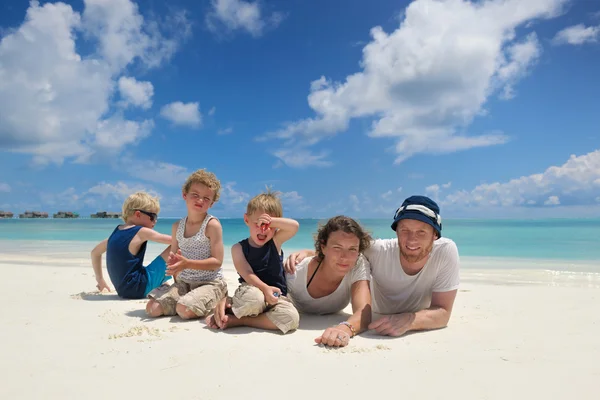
(196, 247)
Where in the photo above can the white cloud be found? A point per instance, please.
(435, 190)
(355, 203)
(300, 158)
(119, 191)
(291, 198)
(232, 197)
(552, 201)
(68, 198)
(152, 171)
(136, 93)
(230, 15)
(182, 113)
(432, 190)
(5, 187)
(387, 195)
(424, 83)
(103, 196)
(114, 133)
(56, 103)
(576, 182)
(212, 111)
(225, 131)
(577, 34)
(124, 35)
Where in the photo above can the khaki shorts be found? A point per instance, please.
(249, 301)
(199, 297)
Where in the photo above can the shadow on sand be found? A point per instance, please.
(321, 322)
(96, 296)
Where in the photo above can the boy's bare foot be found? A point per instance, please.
(211, 322)
(228, 321)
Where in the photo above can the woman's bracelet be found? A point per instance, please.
(349, 325)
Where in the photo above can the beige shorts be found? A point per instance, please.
(249, 301)
(199, 297)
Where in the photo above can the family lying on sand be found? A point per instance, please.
(410, 283)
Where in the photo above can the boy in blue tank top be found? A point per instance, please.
(126, 247)
(261, 299)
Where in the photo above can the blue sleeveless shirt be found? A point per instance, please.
(126, 270)
(266, 264)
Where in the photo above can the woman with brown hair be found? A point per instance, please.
(337, 275)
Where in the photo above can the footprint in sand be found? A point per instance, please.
(110, 316)
(355, 349)
(87, 295)
(139, 330)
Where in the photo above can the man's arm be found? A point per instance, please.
(444, 290)
(286, 229)
(154, 236)
(96, 255)
(437, 315)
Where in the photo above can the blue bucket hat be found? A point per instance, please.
(422, 209)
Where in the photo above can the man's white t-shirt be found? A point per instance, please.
(332, 303)
(394, 292)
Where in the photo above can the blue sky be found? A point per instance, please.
(491, 108)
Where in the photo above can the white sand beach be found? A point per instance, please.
(515, 334)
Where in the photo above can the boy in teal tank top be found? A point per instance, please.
(126, 247)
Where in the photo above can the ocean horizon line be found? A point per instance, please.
(495, 218)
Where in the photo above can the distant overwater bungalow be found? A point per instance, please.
(65, 214)
(34, 214)
(6, 214)
(104, 214)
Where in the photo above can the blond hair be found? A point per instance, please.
(139, 201)
(267, 202)
(205, 178)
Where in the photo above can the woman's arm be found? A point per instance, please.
(339, 335)
(361, 307)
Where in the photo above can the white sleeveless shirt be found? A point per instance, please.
(196, 247)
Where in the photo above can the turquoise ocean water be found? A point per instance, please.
(559, 239)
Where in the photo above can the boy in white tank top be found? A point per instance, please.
(196, 255)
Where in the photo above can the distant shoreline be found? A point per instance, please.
(462, 219)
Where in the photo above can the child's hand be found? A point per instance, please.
(176, 263)
(264, 221)
(219, 318)
(272, 294)
(173, 258)
(103, 285)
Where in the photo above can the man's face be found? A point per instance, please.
(415, 239)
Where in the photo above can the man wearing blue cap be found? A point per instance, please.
(415, 277)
